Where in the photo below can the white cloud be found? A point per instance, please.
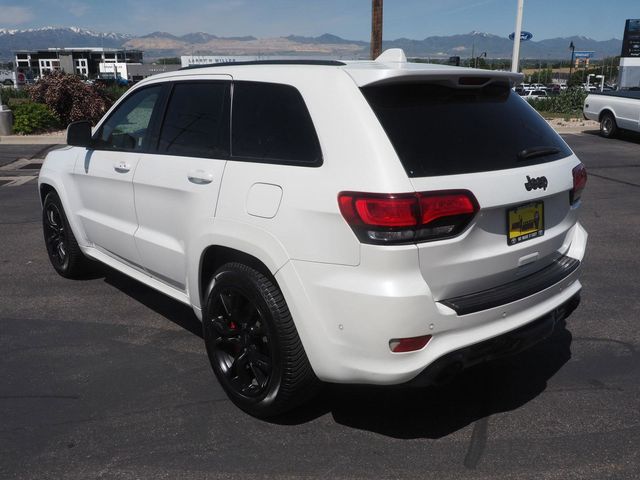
(78, 9)
(14, 15)
(225, 6)
(75, 8)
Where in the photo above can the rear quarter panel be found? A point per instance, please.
(356, 156)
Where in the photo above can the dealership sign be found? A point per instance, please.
(584, 55)
(524, 36)
(631, 40)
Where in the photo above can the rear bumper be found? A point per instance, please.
(557, 271)
(346, 316)
(504, 345)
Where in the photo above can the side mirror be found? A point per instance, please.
(79, 134)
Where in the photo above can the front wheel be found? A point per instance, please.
(63, 250)
(253, 345)
(608, 126)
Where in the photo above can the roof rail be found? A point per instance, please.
(330, 63)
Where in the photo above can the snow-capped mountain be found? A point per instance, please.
(34, 38)
(163, 44)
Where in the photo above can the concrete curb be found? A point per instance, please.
(576, 130)
(33, 140)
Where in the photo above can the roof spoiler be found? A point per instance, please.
(391, 67)
(392, 55)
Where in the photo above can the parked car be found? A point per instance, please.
(615, 110)
(535, 94)
(375, 222)
(7, 78)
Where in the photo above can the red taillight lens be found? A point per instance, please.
(400, 345)
(387, 212)
(407, 218)
(438, 205)
(579, 182)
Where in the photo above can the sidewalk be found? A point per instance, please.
(573, 125)
(48, 139)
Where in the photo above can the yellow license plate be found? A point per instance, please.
(525, 222)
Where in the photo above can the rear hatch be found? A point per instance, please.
(477, 135)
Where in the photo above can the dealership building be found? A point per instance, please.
(33, 64)
(630, 56)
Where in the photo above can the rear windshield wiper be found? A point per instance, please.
(534, 152)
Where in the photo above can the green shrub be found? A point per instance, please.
(33, 118)
(113, 92)
(11, 93)
(569, 102)
(12, 102)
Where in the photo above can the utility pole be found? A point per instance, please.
(376, 28)
(515, 58)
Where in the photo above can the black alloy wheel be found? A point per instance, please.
(243, 349)
(55, 235)
(252, 343)
(63, 250)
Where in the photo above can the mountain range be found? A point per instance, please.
(163, 44)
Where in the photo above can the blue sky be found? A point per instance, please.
(349, 19)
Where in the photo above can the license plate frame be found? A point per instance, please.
(524, 215)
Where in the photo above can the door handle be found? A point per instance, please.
(122, 167)
(200, 177)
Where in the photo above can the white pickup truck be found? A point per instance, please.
(619, 110)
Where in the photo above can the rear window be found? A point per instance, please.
(271, 123)
(438, 130)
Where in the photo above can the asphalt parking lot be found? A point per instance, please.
(105, 378)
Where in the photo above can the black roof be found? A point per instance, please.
(330, 63)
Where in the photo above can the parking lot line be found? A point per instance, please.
(16, 181)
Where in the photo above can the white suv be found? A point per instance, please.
(362, 222)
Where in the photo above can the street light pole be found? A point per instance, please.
(573, 52)
(515, 58)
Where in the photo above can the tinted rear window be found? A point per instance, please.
(438, 130)
(271, 123)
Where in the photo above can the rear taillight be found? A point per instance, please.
(579, 182)
(407, 218)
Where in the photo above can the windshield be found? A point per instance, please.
(439, 130)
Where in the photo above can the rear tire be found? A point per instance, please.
(253, 345)
(63, 250)
(608, 126)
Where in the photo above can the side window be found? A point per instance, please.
(127, 128)
(196, 122)
(271, 123)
